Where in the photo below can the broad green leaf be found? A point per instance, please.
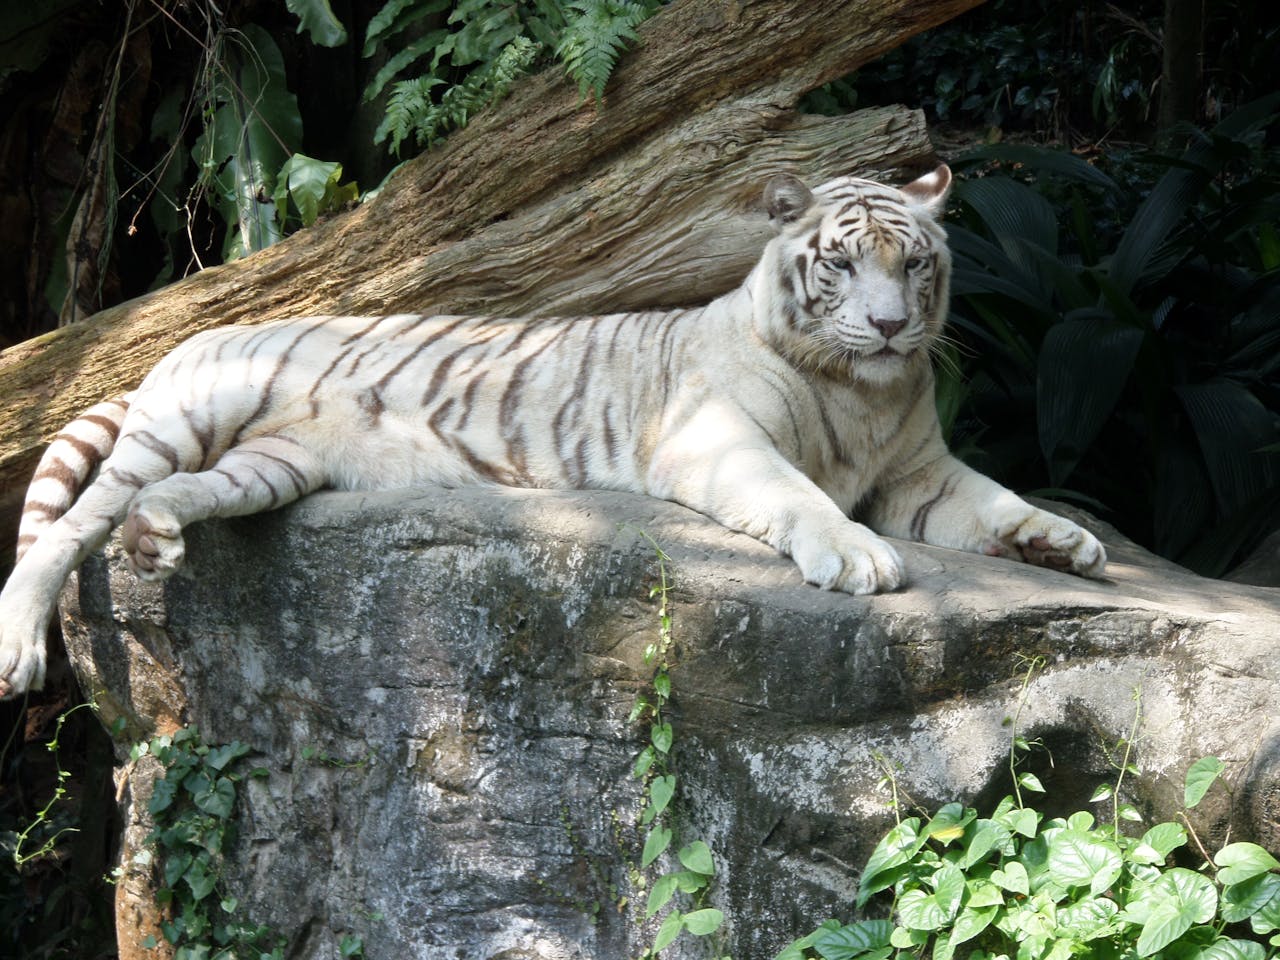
(986, 835)
(219, 757)
(1042, 159)
(1012, 877)
(660, 793)
(162, 795)
(1242, 900)
(1103, 792)
(1165, 925)
(1200, 777)
(309, 182)
(1238, 862)
(983, 893)
(948, 889)
(971, 922)
(920, 911)
(1029, 781)
(643, 762)
(1232, 950)
(853, 940)
(669, 930)
(200, 880)
(660, 894)
(906, 939)
(896, 847)
(219, 800)
(1164, 839)
(1083, 368)
(655, 845)
(697, 858)
(662, 684)
(316, 17)
(1078, 860)
(702, 923)
(1087, 919)
(949, 823)
(796, 949)
(1230, 424)
(1081, 820)
(1195, 893)
(252, 127)
(1025, 822)
(662, 737)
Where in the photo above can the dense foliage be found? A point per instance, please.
(1121, 333)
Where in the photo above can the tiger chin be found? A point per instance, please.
(776, 410)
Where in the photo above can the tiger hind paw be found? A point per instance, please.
(153, 543)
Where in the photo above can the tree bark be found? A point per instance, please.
(545, 204)
(1180, 80)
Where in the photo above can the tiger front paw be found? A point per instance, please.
(1046, 540)
(22, 652)
(153, 542)
(848, 557)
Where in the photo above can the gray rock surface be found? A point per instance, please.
(439, 684)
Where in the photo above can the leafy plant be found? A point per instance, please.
(1015, 884)
(656, 766)
(481, 49)
(1134, 364)
(193, 806)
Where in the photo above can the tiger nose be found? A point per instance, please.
(887, 328)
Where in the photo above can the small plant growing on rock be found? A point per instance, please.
(1015, 885)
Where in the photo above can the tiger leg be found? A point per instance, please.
(948, 504)
(28, 599)
(257, 475)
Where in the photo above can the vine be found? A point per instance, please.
(655, 766)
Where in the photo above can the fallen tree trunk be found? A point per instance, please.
(546, 204)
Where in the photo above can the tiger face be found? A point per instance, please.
(861, 272)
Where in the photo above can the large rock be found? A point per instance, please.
(439, 683)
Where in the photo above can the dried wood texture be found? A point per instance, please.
(546, 204)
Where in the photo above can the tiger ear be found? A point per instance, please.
(786, 199)
(930, 191)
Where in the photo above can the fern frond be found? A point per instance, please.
(595, 36)
(409, 102)
(394, 16)
(484, 86)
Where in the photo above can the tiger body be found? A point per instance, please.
(777, 410)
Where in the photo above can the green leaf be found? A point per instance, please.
(662, 736)
(949, 888)
(1103, 792)
(986, 836)
(309, 182)
(669, 930)
(971, 922)
(894, 849)
(219, 757)
(949, 823)
(1240, 901)
(1087, 919)
(253, 124)
(1012, 877)
(1029, 781)
(1082, 370)
(1200, 777)
(1165, 925)
(316, 17)
(219, 800)
(853, 940)
(655, 845)
(1076, 859)
(660, 793)
(662, 684)
(1232, 950)
(200, 880)
(643, 762)
(162, 796)
(983, 893)
(920, 911)
(702, 923)
(1238, 862)
(660, 894)
(1161, 840)
(697, 857)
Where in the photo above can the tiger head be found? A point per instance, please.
(857, 281)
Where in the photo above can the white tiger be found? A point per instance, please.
(776, 410)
